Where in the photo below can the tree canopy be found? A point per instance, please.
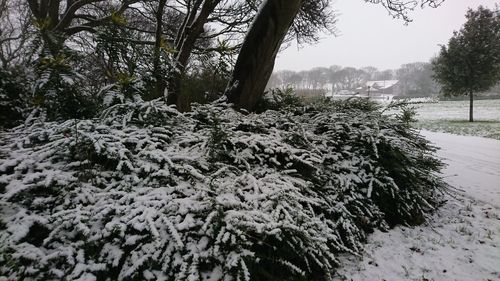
(470, 63)
(73, 53)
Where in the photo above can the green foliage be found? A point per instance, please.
(13, 98)
(118, 19)
(470, 63)
(207, 82)
(408, 115)
(166, 69)
(127, 61)
(279, 99)
(58, 89)
(119, 54)
(210, 194)
(127, 89)
(407, 111)
(353, 104)
(217, 143)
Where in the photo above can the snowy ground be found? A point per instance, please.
(461, 241)
(484, 110)
(452, 117)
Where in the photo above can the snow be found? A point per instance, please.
(195, 211)
(459, 110)
(452, 117)
(473, 165)
(461, 241)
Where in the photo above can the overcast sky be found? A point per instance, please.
(368, 36)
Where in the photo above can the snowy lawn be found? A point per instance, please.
(461, 241)
(487, 128)
(459, 110)
(452, 117)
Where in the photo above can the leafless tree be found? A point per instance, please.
(15, 33)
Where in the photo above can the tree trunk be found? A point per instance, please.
(185, 42)
(255, 61)
(159, 79)
(52, 43)
(471, 107)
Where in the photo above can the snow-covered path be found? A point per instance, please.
(473, 165)
(461, 241)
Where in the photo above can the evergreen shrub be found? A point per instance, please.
(13, 98)
(148, 193)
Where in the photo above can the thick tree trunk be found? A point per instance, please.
(471, 107)
(52, 43)
(255, 61)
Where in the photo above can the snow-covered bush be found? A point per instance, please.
(58, 89)
(279, 99)
(148, 193)
(125, 91)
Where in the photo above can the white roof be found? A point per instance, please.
(381, 84)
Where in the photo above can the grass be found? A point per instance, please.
(486, 128)
(452, 117)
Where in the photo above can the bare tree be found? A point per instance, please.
(15, 33)
(401, 8)
(415, 79)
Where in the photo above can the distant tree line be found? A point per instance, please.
(415, 79)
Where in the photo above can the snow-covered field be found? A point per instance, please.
(452, 117)
(484, 110)
(461, 241)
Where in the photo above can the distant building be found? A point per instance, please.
(381, 90)
(328, 87)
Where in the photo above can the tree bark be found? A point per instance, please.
(471, 107)
(256, 59)
(190, 31)
(159, 79)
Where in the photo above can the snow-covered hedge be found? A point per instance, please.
(148, 193)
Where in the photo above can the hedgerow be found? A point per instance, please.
(147, 193)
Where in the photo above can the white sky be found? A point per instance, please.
(368, 36)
